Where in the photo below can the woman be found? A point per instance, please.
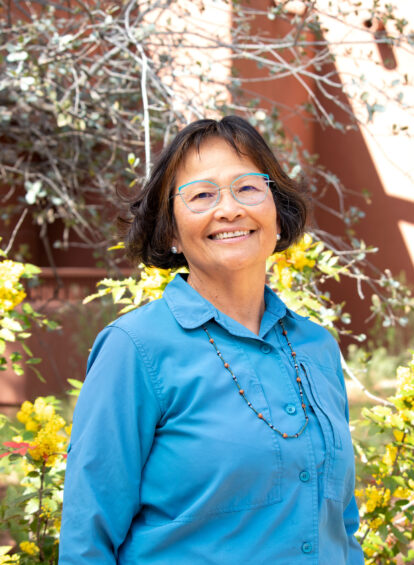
(212, 425)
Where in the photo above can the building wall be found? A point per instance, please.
(370, 159)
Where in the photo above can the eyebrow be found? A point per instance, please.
(211, 179)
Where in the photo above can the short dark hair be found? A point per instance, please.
(152, 227)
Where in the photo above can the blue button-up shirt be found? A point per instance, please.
(169, 465)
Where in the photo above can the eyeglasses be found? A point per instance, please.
(200, 195)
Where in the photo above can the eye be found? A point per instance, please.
(247, 188)
(202, 195)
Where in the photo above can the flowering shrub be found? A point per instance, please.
(36, 444)
(31, 509)
(387, 503)
(15, 324)
(294, 273)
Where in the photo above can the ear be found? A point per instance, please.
(175, 240)
(175, 244)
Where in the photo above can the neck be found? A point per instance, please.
(237, 296)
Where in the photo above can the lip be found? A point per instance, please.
(212, 236)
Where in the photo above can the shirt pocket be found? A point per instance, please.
(330, 407)
(211, 453)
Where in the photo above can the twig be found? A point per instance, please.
(354, 378)
(16, 229)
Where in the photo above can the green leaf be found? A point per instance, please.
(75, 383)
(18, 369)
(399, 535)
(119, 245)
(38, 374)
(7, 335)
(24, 335)
(34, 361)
(15, 356)
(31, 270)
(117, 293)
(27, 349)
(11, 324)
(27, 308)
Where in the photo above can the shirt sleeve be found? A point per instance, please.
(113, 430)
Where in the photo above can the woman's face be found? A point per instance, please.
(230, 236)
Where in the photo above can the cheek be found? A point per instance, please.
(185, 228)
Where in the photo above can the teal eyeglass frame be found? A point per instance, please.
(263, 175)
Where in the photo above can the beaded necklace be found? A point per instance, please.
(243, 395)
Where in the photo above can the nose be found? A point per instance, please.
(228, 207)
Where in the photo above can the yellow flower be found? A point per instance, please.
(376, 497)
(9, 559)
(11, 270)
(11, 290)
(390, 455)
(31, 425)
(49, 443)
(43, 411)
(50, 440)
(154, 281)
(286, 278)
(29, 547)
(398, 434)
(46, 512)
(295, 258)
(401, 492)
(375, 523)
(25, 412)
(369, 551)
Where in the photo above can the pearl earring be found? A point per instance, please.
(278, 237)
(174, 249)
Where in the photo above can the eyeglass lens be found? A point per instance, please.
(246, 189)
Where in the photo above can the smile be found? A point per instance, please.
(230, 234)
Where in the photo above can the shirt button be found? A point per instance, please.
(290, 409)
(306, 547)
(266, 348)
(304, 476)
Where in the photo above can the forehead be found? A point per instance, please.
(214, 160)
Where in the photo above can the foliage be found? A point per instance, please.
(95, 86)
(31, 509)
(387, 503)
(88, 89)
(35, 446)
(15, 324)
(297, 274)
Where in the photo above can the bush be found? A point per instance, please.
(33, 452)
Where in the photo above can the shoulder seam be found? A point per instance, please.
(154, 381)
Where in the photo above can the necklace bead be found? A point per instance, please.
(226, 365)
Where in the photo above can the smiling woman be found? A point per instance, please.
(223, 413)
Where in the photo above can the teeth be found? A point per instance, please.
(229, 234)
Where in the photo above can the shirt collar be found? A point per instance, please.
(191, 310)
